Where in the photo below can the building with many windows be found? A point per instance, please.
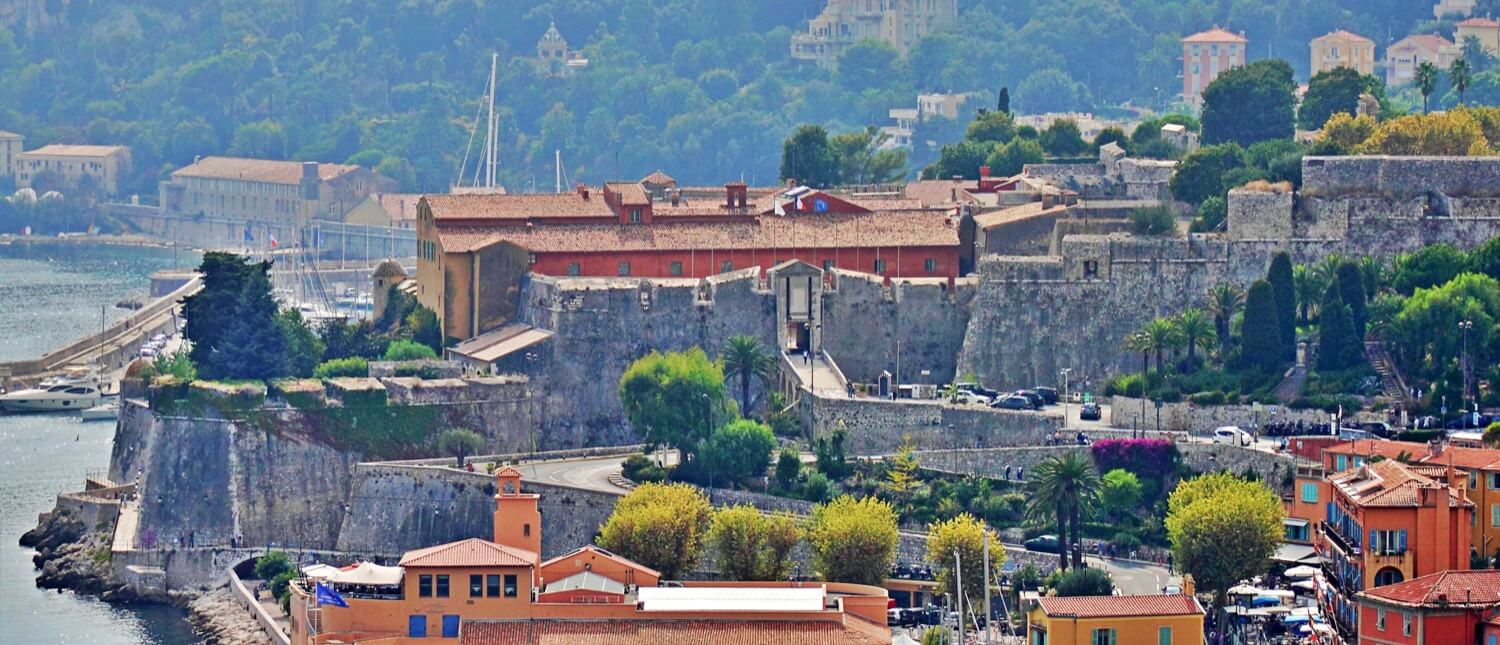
(473, 249)
(1115, 620)
(499, 591)
(845, 22)
(1342, 49)
(1207, 54)
(72, 167)
(1389, 521)
(282, 193)
(1458, 607)
(11, 146)
(1485, 30)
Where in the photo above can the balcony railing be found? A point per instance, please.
(1338, 540)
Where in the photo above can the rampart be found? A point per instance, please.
(1126, 412)
(879, 426)
(1274, 469)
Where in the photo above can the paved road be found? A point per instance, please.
(1133, 578)
(589, 474)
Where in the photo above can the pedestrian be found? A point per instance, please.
(1020, 473)
(1007, 472)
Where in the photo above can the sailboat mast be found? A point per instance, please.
(491, 138)
(557, 168)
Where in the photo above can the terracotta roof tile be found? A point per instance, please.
(400, 206)
(1442, 588)
(1340, 34)
(630, 194)
(70, 150)
(1480, 22)
(1430, 42)
(589, 548)
(1215, 35)
(472, 552)
(1389, 483)
(655, 632)
(261, 170)
(659, 178)
(884, 229)
(1112, 606)
(1459, 456)
(519, 207)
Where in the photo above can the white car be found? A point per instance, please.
(970, 398)
(1232, 435)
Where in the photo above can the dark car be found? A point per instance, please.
(1469, 420)
(1044, 544)
(1012, 402)
(1090, 412)
(929, 616)
(1049, 394)
(976, 389)
(1036, 399)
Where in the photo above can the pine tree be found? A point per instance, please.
(1351, 281)
(1280, 277)
(1260, 337)
(1335, 331)
(254, 346)
(1003, 105)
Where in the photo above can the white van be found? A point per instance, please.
(1231, 435)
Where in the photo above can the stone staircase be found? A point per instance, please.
(1391, 383)
(1291, 385)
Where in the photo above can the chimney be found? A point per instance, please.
(583, 190)
(676, 197)
(310, 180)
(1046, 200)
(1435, 448)
(791, 183)
(984, 172)
(735, 195)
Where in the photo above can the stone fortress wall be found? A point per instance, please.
(1034, 316)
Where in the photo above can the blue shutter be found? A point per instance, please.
(1401, 541)
(416, 626)
(450, 626)
(1372, 539)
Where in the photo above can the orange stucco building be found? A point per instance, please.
(1389, 521)
(478, 591)
(1091, 620)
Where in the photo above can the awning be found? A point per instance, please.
(320, 570)
(1301, 571)
(494, 345)
(1294, 521)
(1295, 554)
(368, 573)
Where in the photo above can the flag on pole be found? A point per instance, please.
(799, 203)
(328, 596)
(249, 237)
(273, 239)
(779, 210)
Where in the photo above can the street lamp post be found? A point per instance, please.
(1065, 372)
(1463, 367)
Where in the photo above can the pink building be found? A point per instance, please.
(1204, 56)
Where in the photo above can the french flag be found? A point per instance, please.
(272, 236)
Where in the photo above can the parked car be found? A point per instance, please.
(1036, 399)
(1231, 435)
(971, 398)
(1468, 420)
(929, 616)
(976, 389)
(1043, 543)
(1049, 394)
(1172, 590)
(1012, 402)
(1090, 412)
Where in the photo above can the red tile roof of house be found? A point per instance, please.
(1340, 34)
(472, 552)
(1429, 42)
(1459, 456)
(1480, 22)
(1448, 588)
(659, 178)
(1215, 35)
(400, 206)
(655, 632)
(889, 229)
(631, 194)
(589, 548)
(518, 207)
(261, 170)
(1389, 483)
(1120, 606)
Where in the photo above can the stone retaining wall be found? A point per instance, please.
(1126, 412)
(880, 426)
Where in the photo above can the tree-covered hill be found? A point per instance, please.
(704, 89)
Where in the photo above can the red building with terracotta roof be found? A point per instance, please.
(471, 242)
(1448, 608)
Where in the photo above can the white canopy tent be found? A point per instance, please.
(1302, 571)
(320, 570)
(369, 573)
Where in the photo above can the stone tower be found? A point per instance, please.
(387, 275)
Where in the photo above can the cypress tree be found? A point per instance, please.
(1260, 336)
(255, 345)
(1280, 277)
(1351, 281)
(1336, 340)
(1003, 104)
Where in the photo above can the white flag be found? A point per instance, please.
(779, 210)
(799, 203)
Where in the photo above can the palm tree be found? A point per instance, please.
(1137, 342)
(1196, 331)
(1459, 75)
(745, 357)
(1224, 301)
(1065, 489)
(1427, 78)
(1161, 334)
(1308, 286)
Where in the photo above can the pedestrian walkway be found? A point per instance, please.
(819, 376)
(125, 526)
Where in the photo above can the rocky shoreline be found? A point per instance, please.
(70, 555)
(221, 620)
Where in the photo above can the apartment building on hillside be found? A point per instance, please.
(1207, 54)
(845, 22)
(1342, 49)
(73, 166)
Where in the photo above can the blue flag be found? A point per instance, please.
(327, 596)
(248, 236)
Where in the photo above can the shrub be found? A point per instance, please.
(1133, 385)
(281, 582)
(406, 350)
(640, 469)
(1207, 398)
(1153, 220)
(816, 488)
(272, 564)
(1126, 541)
(1087, 581)
(353, 366)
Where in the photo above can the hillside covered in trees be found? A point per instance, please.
(703, 89)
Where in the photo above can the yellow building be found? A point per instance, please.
(11, 145)
(845, 22)
(70, 166)
(1343, 49)
(1487, 31)
(1115, 620)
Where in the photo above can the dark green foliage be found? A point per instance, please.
(1063, 139)
(354, 366)
(1112, 135)
(255, 345)
(1261, 336)
(1338, 346)
(1486, 258)
(738, 450)
(1280, 277)
(1201, 174)
(1008, 160)
(993, 127)
(641, 469)
(1428, 267)
(304, 348)
(807, 159)
(1088, 581)
(830, 452)
(272, 564)
(1211, 214)
(460, 442)
(1249, 104)
(350, 339)
(1153, 220)
(1332, 91)
(210, 311)
(280, 585)
(399, 305)
(1003, 104)
(1351, 281)
(961, 159)
(408, 350)
(423, 325)
(788, 468)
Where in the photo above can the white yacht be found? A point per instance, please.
(109, 410)
(53, 398)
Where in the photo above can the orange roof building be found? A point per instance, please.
(265, 192)
(624, 230)
(1444, 607)
(498, 592)
(1390, 521)
(1175, 619)
(1207, 54)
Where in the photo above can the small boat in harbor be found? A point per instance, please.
(52, 398)
(109, 410)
